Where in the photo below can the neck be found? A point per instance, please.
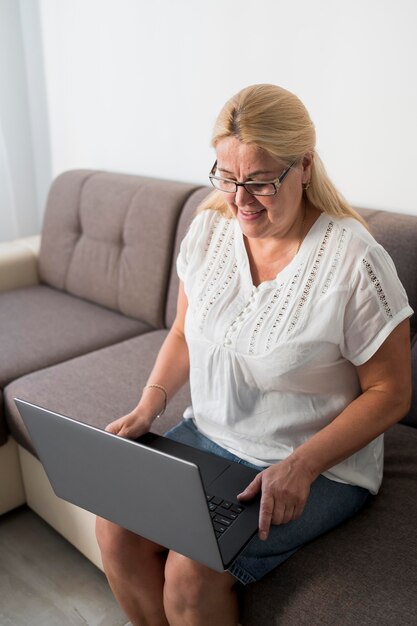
(302, 227)
(268, 257)
(272, 249)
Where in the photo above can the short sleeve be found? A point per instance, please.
(183, 258)
(191, 242)
(377, 303)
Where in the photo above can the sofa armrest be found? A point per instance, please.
(19, 263)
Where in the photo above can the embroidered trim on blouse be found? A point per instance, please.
(216, 249)
(378, 287)
(335, 263)
(216, 220)
(217, 294)
(262, 317)
(218, 271)
(283, 308)
(311, 278)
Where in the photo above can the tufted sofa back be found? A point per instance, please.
(188, 213)
(108, 238)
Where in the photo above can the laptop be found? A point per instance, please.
(177, 496)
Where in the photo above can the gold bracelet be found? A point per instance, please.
(164, 391)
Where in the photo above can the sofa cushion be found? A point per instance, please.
(3, 426)
(41, 326)
(186, 218)
(95, 388)
(360, 573)
(108, 238)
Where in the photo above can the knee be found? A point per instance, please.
(110, 537)
(184, 584)
(193, 588)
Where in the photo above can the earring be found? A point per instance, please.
(306, 186)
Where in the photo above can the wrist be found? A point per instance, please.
(143, 414)
(154, 399)
(299, 463)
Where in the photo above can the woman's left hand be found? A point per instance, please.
(284, 491)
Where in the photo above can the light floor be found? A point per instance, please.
(45, 581)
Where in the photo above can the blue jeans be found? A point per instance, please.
(329, 504)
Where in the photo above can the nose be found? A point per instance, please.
(243, 197)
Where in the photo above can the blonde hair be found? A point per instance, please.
(274, 119)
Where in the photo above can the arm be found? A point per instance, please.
(386, 395)
(19, 263)
(171, 370)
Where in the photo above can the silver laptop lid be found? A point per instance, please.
(146, 491)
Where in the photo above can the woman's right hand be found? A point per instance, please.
(130, 426)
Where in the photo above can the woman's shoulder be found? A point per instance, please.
(205, 225)
(360, 254)
(346, 243)
(201, 231)
(205, 220)
(206, 236)
(360, 238)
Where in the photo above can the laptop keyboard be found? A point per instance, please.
(223, 513)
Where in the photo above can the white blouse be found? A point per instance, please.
(272, 365)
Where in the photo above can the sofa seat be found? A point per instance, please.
(110, 380)
(41, 326)
(360, 573)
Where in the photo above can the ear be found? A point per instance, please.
(306, 164)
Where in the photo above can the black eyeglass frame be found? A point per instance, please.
(277, 182)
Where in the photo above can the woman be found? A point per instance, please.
(292, 327)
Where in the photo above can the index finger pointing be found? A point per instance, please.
(265, 515)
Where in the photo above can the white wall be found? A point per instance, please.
(38, 107)
(135, 85)
(18, 209)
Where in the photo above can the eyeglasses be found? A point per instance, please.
(262, 188)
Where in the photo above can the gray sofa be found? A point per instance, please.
(81, 321)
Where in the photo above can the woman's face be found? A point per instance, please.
(262, 216)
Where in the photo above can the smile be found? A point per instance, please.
(250, 215)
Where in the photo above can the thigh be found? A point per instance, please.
(120, 542)
(182, 572)
(329, 504)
